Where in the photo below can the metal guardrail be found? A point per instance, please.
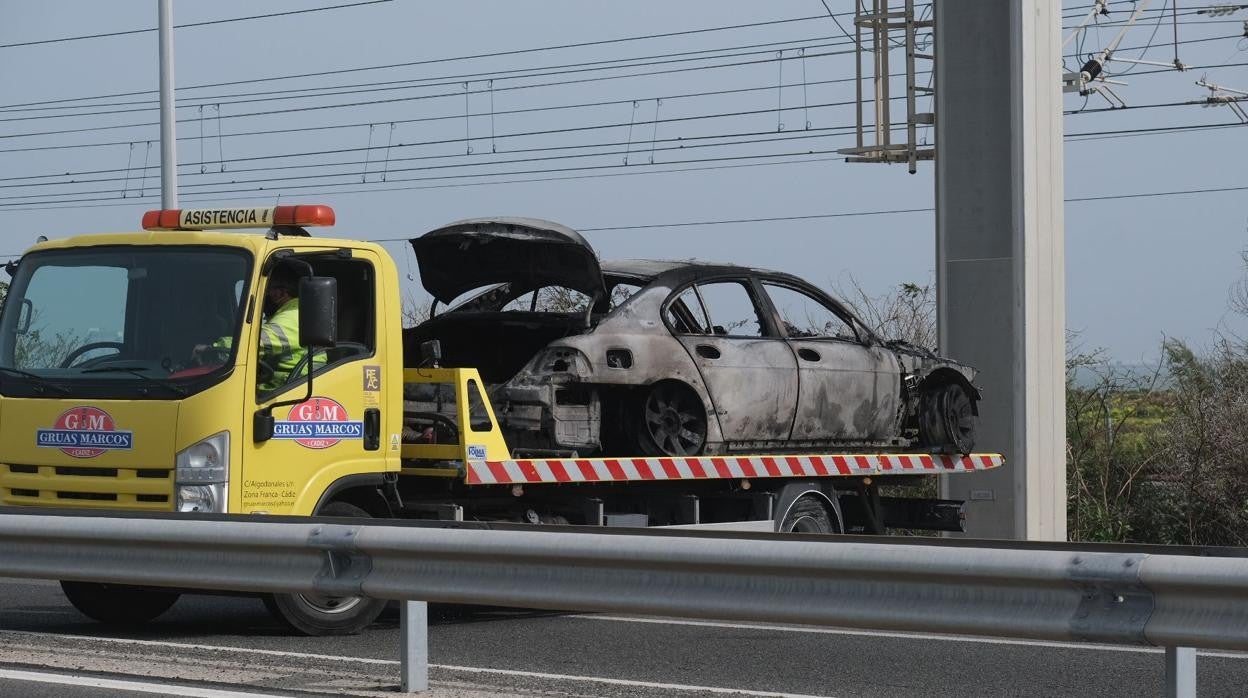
(1132, 598)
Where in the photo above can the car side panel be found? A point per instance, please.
(752, 383)
(838, 396)
(887, 370)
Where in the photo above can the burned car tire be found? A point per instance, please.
(671, 421)
(117, 604)
(947, 418)
(319, 614)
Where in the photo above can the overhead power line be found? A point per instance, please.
(639, 150)
(190, 25)
(432, 61)
(767, 48)
(634, 148)
(347, 105)
(1182, 42)
(665, 169)
(457, 80)
(640, 143)
(271, 184)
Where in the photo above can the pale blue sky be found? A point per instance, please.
(1137, 268)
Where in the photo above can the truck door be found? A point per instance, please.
(751, 375)
(335, 433)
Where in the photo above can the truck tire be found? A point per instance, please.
(316, 614)
(808, 515)
(117, 604)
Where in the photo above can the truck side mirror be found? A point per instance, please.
(318, 312)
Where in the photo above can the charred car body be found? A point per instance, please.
(671, 358)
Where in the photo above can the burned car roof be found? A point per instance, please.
(651, 269)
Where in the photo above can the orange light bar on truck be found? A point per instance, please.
(226, 218)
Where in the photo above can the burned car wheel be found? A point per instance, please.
(672, 421)
(947, 418)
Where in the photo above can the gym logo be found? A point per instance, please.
(85, 432)
(318, 423)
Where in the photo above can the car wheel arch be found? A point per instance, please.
(946, 376)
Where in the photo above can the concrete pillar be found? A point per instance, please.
(1000, 252)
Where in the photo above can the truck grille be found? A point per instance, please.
(146, 489)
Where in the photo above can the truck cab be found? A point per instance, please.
(124, 359)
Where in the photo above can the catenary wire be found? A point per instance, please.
(430, 61)
(191, 24)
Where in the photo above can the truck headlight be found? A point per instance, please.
(202, 474)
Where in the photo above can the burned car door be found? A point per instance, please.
(751, 374)
(838, 397)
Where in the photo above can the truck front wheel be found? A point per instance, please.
(319, 614)
(117, 604)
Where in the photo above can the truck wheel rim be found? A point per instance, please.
(805, 524)
(330, 604)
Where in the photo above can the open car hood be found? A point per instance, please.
(469, 254)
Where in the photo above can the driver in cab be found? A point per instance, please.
(279, 351)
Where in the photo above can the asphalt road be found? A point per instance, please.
(219, 647)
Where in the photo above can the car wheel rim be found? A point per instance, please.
(960, 419)
(674, 422)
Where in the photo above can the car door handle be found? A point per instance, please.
(808, 354)
(707, 351)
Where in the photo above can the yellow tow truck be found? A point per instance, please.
(136, 374)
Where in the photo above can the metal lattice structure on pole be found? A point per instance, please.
(879, 25)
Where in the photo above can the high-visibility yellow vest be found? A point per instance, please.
(279, 344)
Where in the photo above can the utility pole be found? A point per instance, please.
(168, 139)
(1000, 263)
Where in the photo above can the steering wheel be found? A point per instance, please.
(301, 367)
(90, 346)
(211, 356)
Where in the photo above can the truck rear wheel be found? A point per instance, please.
(318, 614)
(808, 515)
(117, 604)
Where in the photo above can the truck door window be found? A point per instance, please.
(478, 418)
(282, 368)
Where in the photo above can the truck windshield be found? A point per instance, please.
(122, 321)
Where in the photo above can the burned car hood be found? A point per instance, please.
(477, 252)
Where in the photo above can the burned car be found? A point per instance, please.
(672, 358)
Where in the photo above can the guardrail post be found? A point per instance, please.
(414, 627)
(1180, 672)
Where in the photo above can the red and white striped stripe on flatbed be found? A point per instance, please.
(578, 470)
